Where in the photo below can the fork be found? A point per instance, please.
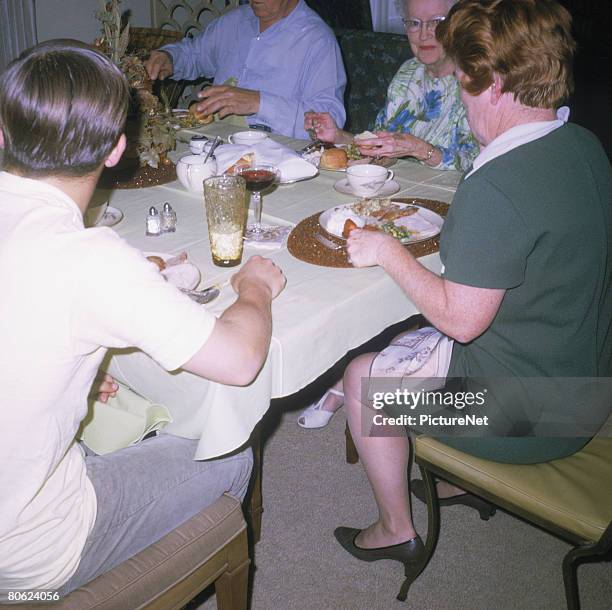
(312, 132)
(105, 210)
(205, 295)
(202, 296)
(328, 243)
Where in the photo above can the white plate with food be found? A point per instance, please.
(408, 222)
(389, 188)
(103, 216)
(338, 158)
(175, 268)
(188, 118)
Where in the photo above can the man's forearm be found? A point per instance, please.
(251, 317)
(238, 345)
(190, 58)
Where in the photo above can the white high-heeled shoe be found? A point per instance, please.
(314, 416)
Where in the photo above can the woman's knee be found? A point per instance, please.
(356, 371)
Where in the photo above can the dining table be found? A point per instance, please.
(322, 313)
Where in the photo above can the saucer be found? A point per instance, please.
(100, 217)
(389, 188)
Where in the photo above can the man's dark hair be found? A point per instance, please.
(62, 109)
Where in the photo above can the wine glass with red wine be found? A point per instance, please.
(258, 177)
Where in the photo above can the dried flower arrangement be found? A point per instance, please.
(154, 133)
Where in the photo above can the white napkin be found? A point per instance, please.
(425, 351)
(416, 222)
(122, 421)
(228, 154)
(291, 165)
(272, 238)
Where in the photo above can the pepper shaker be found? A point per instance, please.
(168, 219)
(153, 222)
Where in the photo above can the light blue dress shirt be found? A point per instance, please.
(295, 64)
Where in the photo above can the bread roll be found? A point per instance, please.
(365, 135)
(157, 260)
(204, 119)
(333, 158)
(349, 225)
(244, 161)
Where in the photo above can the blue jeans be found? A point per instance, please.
(145, 491)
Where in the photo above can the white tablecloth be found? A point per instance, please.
(322, 313)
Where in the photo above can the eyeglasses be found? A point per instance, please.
(415, 25)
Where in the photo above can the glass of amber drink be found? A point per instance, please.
(226, 213)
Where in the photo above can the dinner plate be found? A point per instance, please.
(186, 275)
(102, 216)
(425, 223)
(185, 120)
(310, 177)
(389, 188)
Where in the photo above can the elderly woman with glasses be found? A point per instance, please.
(526, 287)
(423, 116)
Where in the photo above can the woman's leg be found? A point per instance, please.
(332, 401)
(385, 460)
(318, 414)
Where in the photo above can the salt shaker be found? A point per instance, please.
(168, 219)
(153, 222)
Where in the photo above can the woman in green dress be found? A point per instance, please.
(525, 294)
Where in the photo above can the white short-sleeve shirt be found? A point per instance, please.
(67, 294)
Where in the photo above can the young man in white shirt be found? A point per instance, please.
(69, 294)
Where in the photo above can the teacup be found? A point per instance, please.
(192, 171)
(367, 180)
(248, 138)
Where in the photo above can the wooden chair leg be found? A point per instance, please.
(254, 500)
(232, 587)
(352, 457)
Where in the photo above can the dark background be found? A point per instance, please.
(591, 103)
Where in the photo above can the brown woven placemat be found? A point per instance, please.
(138, 177)
(303, 245)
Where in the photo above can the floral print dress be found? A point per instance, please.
(431, 109)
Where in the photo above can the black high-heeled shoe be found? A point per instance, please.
(409, 553)
(485, 509)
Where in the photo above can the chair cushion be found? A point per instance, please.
(573, 493)
(354, 14)
(139, 581)
(371, 60)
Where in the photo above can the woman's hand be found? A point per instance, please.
(388, 144)
(104, 386)
(368, 248)
(323, 125)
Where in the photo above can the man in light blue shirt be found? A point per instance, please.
(283, 58)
